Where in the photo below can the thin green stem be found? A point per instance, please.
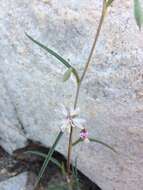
(71, 134)
(80, 81)
(77, 95)
(104, 8)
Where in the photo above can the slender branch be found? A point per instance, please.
(69, 152)
(71, 133)
(104, 9)
(77, 95)
(81, 79)
(95, 40)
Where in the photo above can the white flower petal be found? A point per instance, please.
(64, 110)
(74, 112)
(65, 125)
(71, 119)
(78, 122)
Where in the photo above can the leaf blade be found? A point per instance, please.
(138, 13)
(103, 143)
(57, 56)
(48, 157)
(41, 154)
(75, 175)
(50, 51)
(97, 141)
(77, 141)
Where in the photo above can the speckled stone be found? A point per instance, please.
(111, 98)
(19, 182)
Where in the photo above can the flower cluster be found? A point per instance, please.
(71, 119)
(84, 135)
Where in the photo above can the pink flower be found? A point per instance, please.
(84, 135)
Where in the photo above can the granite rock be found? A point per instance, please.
(111, 98)
(19, 182)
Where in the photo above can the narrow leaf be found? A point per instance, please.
(75, 175)
(41, 154)
(75, 168)
(48, 158)
(97, 141)
(63, 169)
(50, 51)
(138, 12)
(102, 143)
(77, 141)
(67, 74)
(57, 56)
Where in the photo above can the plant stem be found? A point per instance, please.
(77, 95)
(71, 134)
(69, 152)
(104, 8)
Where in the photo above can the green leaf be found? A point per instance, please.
(138, 12)
(74, 168)
(57, 186)
(97, 141)
(67, 74)
(57, 56)
(102, 143)
(75, 175)
(109, 2)
(41, 154)
(77, 141)
(63, 169)
(48, 157)
(50, 51)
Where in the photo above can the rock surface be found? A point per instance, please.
(111, 98)
(19, 182)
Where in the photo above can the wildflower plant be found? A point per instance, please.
(71, 119)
